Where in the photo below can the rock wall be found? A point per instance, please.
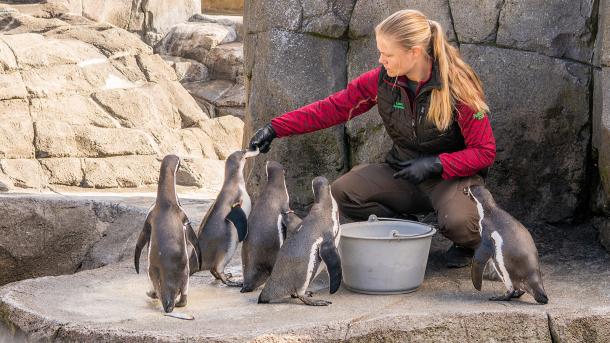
(601, 126)
(292, 60)
(540, 63)
(151, 19)
(87, 104)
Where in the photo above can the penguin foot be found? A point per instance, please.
(508, 295)
(225, 279)
(152, 294)
(313, 302)
(232, 283)
(245, 289)
(517, 293)
(182, 301)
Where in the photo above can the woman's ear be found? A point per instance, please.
(417, 51)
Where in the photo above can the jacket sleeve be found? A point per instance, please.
(359, 96)
(480, 150)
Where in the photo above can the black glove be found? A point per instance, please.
(420, 169)
(262, 138)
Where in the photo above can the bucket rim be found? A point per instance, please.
(431, 230)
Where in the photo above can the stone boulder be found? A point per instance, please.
(234, 21)
(541, 132)
(219, 97)
(214, 43)
(282, 79)
(367, 14)
(195, 40)
(602, 44)
(601, 128)
(562, 28)
(475, 21)
(187, 70)
(149, 19)
(601, 125)
(51, 239)
(90, 105)
(47, 235)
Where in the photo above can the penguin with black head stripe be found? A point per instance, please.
(227, 222)
(313, 241)
(511, 248)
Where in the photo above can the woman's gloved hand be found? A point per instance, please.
(420, 169)
(262, 138)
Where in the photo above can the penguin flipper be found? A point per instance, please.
(192, 238)
(479, 260)
(238, 217)
(330, 256)
(143, 239)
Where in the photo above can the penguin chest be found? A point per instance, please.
(500, 260)
(313, 262)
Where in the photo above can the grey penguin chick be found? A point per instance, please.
(226, 224)
(171, 240)
(291, 222)
(265, 231)
(314, 241)
(511, 248)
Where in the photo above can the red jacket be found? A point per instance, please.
(361, 95)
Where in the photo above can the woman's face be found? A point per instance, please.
(397, 60)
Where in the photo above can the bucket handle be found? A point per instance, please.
(374, 218)
(394, 233)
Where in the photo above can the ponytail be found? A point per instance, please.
(459, 81)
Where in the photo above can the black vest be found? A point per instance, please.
(406, 123)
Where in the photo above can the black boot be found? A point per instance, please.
(459, 256)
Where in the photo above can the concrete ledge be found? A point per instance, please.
(109, 304)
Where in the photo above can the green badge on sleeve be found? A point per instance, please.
(399, 105)
(479, 115)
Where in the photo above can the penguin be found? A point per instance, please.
(291, 222)
(226, 223)
(314, 240)
(265, 230)
(510, 247)
(171, 241)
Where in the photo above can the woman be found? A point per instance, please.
(433, 108)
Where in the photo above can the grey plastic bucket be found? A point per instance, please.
(384, 255)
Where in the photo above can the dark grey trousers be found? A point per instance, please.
(371, 189)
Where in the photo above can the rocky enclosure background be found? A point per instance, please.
(545, 66)
(88, 104)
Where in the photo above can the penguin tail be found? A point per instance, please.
(538, 292)
(262, 300)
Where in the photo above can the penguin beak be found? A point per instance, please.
(251, 153)
(168, 306)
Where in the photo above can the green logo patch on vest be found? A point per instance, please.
(399, 105)
(479, 115)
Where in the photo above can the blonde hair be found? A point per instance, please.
(459, 82)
